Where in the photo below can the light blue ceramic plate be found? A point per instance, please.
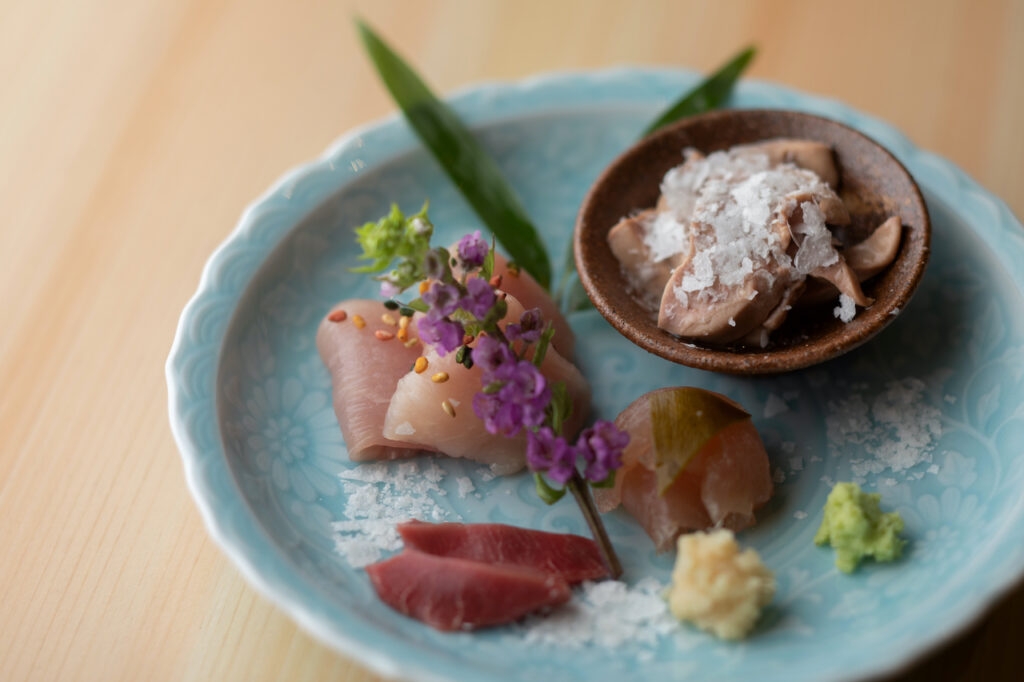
(250, 407)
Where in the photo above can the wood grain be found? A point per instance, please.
(131, 136)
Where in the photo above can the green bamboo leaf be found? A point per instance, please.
(710, 94)
(460, 155)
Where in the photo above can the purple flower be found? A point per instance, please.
(500, 418)
(472, 250)
(479, 299)
(389, 289)
(444, 335)
(443, 299)
(526, 387)
(523, 382)
(490, 354)
(519, 402)
(549, 453)
(601, 447)
(529, 329)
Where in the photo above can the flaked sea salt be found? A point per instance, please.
(816, 249)
(899, 429)
(800, 515)
(847, 308)
(796, 463)
(725, 207)
(605, 614)
(466, 486)
(380, 495)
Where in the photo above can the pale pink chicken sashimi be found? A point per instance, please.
(417, 417)
(364, 373)
(720, 487)
(458, 594)
(570, 557)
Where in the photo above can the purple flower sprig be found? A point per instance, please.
(463, 310)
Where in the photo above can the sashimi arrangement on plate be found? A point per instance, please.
(383, 392)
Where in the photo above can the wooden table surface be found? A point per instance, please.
(133, 133)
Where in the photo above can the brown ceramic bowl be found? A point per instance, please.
(873, 184)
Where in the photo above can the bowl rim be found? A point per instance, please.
(771, 360)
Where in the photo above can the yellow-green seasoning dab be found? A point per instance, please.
(856, 527)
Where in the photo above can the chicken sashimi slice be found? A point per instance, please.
(874, 254)
(732, 314)
(842, 277)
(807, 154)
(721, 486)
(864, 260)
(416, 417)
(646, 276)
(364, 373)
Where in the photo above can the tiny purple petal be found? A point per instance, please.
(479, 299)
(490, 354)
(549, 453)
(601, 448)
(443, 299)
(529, 329)
(444, 335)
(472, 250)
(389, 290)
(523, 382)
(500, 418)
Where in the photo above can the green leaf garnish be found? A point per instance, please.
(542, 344)
(396, 236)
(462, 158)
(487, 270)
(418, 305)
(683, 420)
(545, 492)
(710, 94)
(560, 407)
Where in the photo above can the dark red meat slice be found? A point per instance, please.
(458, 594)
(571, 557)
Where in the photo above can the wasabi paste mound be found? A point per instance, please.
(856, 527)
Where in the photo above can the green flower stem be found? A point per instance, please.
(581, 491)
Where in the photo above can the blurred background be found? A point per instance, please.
(134, 132)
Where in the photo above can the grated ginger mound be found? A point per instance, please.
(716, 586)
